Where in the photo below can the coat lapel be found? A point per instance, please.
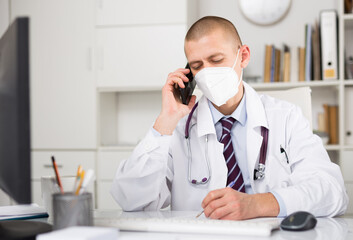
(256, 119)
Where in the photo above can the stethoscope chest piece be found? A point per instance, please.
(260, 172)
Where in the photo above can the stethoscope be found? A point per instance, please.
(259, 173)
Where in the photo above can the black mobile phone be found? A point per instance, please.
(186, 93)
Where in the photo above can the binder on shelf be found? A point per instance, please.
(316, 53)
(308, 32)
(301, 54)
(286, 63)
(329, 44)
(268, 59)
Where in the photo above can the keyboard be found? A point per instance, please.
(256, 227)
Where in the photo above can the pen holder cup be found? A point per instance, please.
(72, 210)
(49, 186)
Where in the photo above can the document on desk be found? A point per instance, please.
(25, 211)
(186, 222)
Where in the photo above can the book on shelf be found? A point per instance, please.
(348, 6)
(329, 122)
(286, 63)
(316, 58)
(268, 61)
(301, 72)
(273, 57)
(308, 52)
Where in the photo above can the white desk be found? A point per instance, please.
(326, 228)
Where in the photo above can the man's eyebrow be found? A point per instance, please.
(209, 57)
(193, 62)
(215, 55)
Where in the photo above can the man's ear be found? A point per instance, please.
(245, 56)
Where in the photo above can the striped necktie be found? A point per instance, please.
(234, 172)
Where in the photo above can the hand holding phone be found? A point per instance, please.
(177, 100)
(186, 93)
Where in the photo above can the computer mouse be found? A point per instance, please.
(299, 221)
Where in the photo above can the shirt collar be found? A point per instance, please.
(239, 114)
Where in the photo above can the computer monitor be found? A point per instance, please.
(15, 147)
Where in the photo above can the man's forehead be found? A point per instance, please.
(207, 46)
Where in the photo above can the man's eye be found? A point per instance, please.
(195, 67)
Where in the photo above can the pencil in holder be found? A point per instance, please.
(72, 210)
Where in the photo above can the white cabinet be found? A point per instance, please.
(63, 94)
(67, 162)
(108, 163)
(139, 56)
(138, 43)
(138, 12)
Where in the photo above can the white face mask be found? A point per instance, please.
(219, 84)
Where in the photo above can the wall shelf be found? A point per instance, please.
(333, 147)
(107, 89)
(287, 85)
(116, 148)
(348, 82)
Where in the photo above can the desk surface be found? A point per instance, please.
(326, 228)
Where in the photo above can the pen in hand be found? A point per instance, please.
(231, 184)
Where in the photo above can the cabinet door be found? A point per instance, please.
(107, 164)
(4, 16)
(104, 198)
(67, 162)
(63, 94)
(122, 12)
(139, 56)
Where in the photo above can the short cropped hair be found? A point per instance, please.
(208, 24)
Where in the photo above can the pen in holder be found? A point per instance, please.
(72, 210)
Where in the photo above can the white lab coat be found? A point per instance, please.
(156, 174)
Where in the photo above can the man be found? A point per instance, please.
(208, 161)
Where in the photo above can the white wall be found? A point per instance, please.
(4, 16)
(290, 30)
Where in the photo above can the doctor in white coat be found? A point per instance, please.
(166, 168)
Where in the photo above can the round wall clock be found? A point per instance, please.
(264, 12)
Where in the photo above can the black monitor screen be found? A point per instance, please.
(14, 112)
